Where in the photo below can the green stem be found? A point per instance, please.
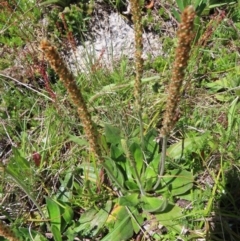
(162, 161)
(133, 164)
(141, 129)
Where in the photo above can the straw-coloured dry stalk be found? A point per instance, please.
(6, 232)
(185, 36)
(68, 80)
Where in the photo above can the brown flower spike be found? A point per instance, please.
(136, 9)
(138, 31)
(68, 80)
(171, 115)
(6, 232)
(185, 36)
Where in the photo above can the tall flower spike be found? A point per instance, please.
(136, 8)
(185, 36)
(138, 31)
(68, 80)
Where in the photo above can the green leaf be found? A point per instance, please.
(114, 173)
(131, 185)
(104, 143)
(217, 85)
(150, 141)
(136, 218)
(14, 171)
(56, 233)
(232, 118)
(65, 190)
(153, 204)
(79, 141)
(62, 3)
(200, 5)
(89, 171)
(92, 221)
(151, 170)
(123, 229)
(150, 175)
(217, 5)
(101, 218)
(67, 214)
(54, 213)
(191, 144)
(128, 170)
(170, 218)
(88, 215)
(113, 134)
(115, 152)
(136, 151)
(19, 162)
(125, 147)
(194, 194)
(129, 200)
(223, 97)
(23, 234)
(180, 4)
(177, 182)
(39, 237)
(83, 229)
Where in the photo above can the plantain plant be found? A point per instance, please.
(132, 165)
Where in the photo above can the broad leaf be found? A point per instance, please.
(54, 213)
(115, 152)
(138, 156)
(131, 185)
(113, 134)
(177, 182)
(200, 5)
(150, 141)
(114, 173)
(79, 141)
(101, 218)
(122, 225)
(150, 174)
(180, 4)
(65, 190)
(88, 215)
(20, 161)
(190, 144)
(153, 204)
(56, 233)
(170, 218)
(67, 214)
(92, 221)
(129, 200)
(232, 118)
(136, 218)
